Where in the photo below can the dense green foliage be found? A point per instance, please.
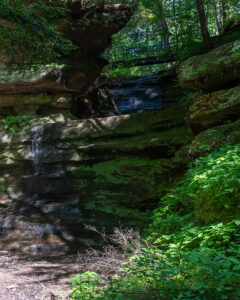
(177, 22)
(28, 32)
(185, 260)
(209, 192)
(193, 240)
(14, 123)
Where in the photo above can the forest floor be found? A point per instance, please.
(24, 278)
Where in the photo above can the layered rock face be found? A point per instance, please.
(215, 108)
(217, 75)
(58, 173)
(90, 29)
(218, 69)
(214, 116)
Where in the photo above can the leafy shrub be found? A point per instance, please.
(195, 263)
(215, 186)
(217, 236)
(13, 123)
(199, 274)
(186, 260)
(208, 193)
(85, 286)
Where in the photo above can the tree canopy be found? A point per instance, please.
(193, 27)
(28, 29)
(28, 33)
(178, 20)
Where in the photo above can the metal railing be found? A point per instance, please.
(86, 3)
(141, 51)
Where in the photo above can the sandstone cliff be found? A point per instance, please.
(90, 29)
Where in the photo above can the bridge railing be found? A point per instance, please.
(146, 50)
(86, 3)
(120, 1)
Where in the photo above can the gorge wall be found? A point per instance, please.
(90, 29)
(40, 191)
(59, 172)
(214, 111)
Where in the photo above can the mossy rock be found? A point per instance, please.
(214, 109)
(210, 140)
(220, 67)
(29, 103)
(124, 125)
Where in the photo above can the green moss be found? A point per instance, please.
(210, 71)
(211, 139)
(39, 98)
(214, 108)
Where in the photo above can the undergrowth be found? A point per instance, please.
(14, 123)
(192, 243)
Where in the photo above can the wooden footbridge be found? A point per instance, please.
(141, 54)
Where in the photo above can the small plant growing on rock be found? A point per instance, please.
(13, 123)
(205, 148)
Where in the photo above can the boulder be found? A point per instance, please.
(214, 109)
(212, 71)
(209, 140)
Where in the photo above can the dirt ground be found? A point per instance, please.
(24, 278)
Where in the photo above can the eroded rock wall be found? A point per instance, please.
(217, 75)
(58, 173)
(90, 29)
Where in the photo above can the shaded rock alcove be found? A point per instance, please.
(57, 176)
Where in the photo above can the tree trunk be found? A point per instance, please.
(204, 28)
(181, 24)
(163, 22)
(175, 24)
(224, 14)
(219, 17)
